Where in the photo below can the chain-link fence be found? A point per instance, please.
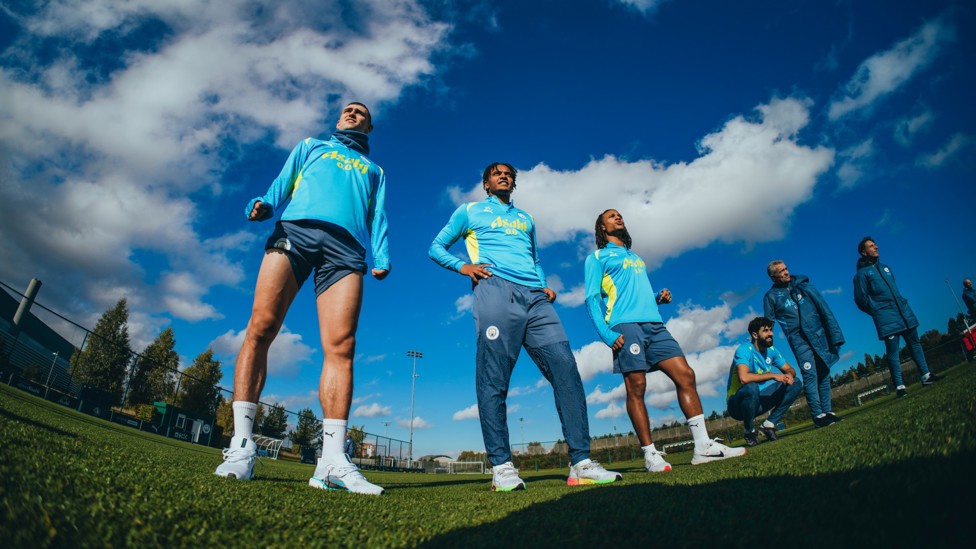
(44, 353)
(47, 353)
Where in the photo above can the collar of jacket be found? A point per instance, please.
(357, 141)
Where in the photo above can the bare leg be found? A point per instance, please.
(338, 309)
(276, 289)
(683, 376)
(636, 383)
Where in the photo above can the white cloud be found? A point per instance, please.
(296, 402)
(957, 143)
(598, 396)
(364, 398)
(418, 423)
(285, 357)
(372, 410)
(144, 142)
(592, 359)
(908, 127)
(674, 208)
(887, 71)
(471, 412)
(613, 410)
(855, 162)
(646, 7)
(463, 304)
(698, 329)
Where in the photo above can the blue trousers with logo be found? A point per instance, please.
(749, 402)
(816, 380)
(914, 347)
(510, 316)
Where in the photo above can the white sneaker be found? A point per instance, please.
(338, 473)
(654, 462)
(715, 451)
(505, 478)
(590, 472)
(238, 459)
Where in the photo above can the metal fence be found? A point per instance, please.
(38, 357)
(39, 361)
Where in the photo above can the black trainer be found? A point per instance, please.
(931, 378)
(752, 439)
(901, 393)
(768, 432)
(834, 417)
(822, 421)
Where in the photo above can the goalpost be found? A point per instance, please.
(466, 467)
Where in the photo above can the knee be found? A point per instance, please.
(636, 386)
(685, 379)
(344, 347)
(262, 329)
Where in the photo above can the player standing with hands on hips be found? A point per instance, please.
(513, 309)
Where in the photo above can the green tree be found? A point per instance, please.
(259, 418)
(225, 416)
(469, 455)
(308, 432)
(198, 388)
(275, 423)
(930, 339)
(105, 360)
(358, 435)
(153, 371)
(869, 364)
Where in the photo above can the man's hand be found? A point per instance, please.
(380, 274)
(259, 211)
(784, 378)
(664, 297)
(476, 272)
(618, 344)
(550, 294)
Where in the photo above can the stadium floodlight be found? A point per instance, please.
(413, 382)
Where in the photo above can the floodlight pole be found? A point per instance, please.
(413, 382)
(47, 384)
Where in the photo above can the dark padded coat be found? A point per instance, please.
(817, 327)
(876, 293)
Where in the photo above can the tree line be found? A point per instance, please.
(136, 380)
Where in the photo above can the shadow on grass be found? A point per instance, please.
(21, 419)
(920, 503)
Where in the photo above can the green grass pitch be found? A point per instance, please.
(897, 472)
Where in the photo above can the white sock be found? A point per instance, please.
(769, 425)
(900, 387)
(244, 414)
(333, 436)
(649, 449)
(698, 431)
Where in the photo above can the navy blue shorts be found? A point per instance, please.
(327, 249)
(646, 344)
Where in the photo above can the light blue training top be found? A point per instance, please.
(618, 290)
(328, 181)
(495, 234)
(758, 364)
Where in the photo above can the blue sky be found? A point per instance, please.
(133, 134)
